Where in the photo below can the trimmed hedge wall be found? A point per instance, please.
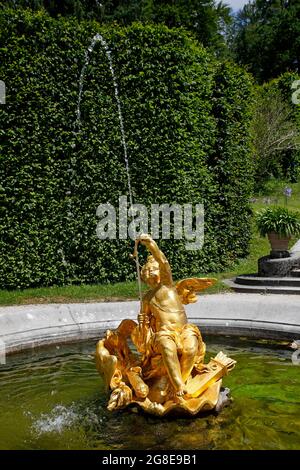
(186, 121)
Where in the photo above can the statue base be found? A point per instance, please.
(152, 391)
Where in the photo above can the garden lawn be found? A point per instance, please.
(128, 290)
(124, 290)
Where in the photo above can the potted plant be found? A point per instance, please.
(279, 224)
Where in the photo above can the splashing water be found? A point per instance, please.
(64, 417)
(99, 38)
(60, 418)
(89, 50)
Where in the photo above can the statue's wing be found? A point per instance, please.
(188, 288)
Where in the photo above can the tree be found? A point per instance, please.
(275, 132)
(207, 19)
(266, 37)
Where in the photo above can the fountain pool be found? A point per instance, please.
(53, 398)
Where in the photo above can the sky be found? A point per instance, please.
(236, 4)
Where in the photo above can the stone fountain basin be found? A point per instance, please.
(258, 316)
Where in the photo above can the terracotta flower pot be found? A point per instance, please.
(279, 245)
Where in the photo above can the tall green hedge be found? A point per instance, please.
(186, 121)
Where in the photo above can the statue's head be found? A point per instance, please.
(150, 272)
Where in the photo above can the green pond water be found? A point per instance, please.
(53, 398)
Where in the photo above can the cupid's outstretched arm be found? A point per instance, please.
(164, 266)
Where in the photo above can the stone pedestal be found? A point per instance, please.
(268, 266)
(271, 267)
(275, 254)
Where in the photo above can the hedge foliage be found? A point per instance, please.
(186, 121)
(207, 20)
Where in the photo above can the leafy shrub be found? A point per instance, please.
(186, 121)
(277, 131)
(280, 220)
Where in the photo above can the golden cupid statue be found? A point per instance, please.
(167, 371)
